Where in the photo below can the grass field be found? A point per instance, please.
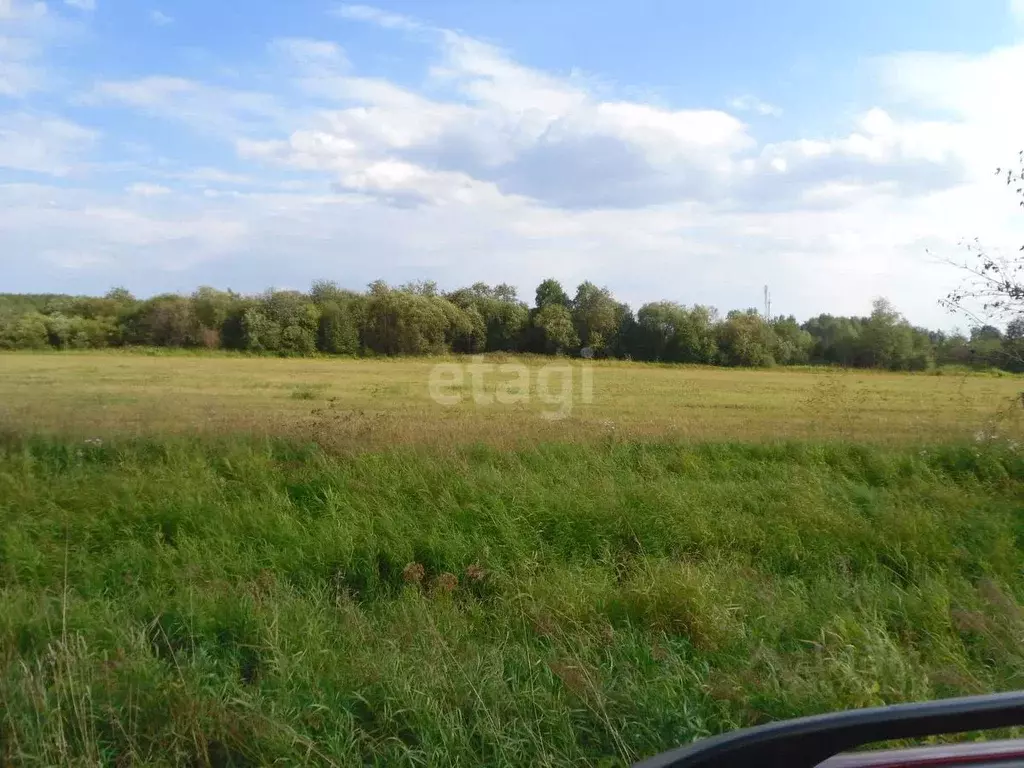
(231, 561)
(369, 404)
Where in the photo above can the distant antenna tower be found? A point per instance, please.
(767, 304)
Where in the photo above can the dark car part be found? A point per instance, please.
(810, 741)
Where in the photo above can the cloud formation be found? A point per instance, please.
(42, 144)
(479, 167)
(753, 104)
(555, 142)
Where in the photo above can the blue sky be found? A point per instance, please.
(691, 150)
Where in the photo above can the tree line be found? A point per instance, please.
(420, 319)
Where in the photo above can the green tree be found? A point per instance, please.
(673, 333)
(555, 322)
(835, 340)
(28, 331)
(120, 295)
(1013, 344)
(338, 333)
(260, 333)
(885, 339)
(292, 320)
(405, 322)
(987, 345)
(96, 333)
(792, 343)
(163, 321)
(212, 308)
(505, 317)
(551, 292)
(595, 314)
(59, 328)
(746, 339)
(467, 331)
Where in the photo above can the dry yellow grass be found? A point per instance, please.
(371, 403)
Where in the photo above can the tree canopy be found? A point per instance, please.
(419, 319)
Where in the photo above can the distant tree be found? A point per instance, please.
(298, 339)
(792, 343)
(426, 288)
(163, 321)
(417, 319)
(466, 331)
(951, 349)
(120, 295)
(1013, 344)
(696, 337)
(28, 331)
(835, 340)
(298, 319)
(595, 314)
(673, 333)
(338, 332)
(403, 322)
(555, 322)
(622, 340)
(746, 338)
(985, 333)
(551, 292)
(504, 316)
(986, 346)
(1015, 329)
(212, 308)
(657, 324)
(86, 333)
(324, 291)
(504, 292)
(59, 329)
(259, 332)
(882, 343)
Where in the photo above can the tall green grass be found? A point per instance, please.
(239, 603)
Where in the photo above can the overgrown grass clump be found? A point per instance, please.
(236, 602)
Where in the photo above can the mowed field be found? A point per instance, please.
(348, 404)
(213, 560)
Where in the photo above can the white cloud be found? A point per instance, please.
(1017, 10)
(310, 53)
(553, 140)
(26, 29)
(21, 10)
(160, 18)
(86, 229)
(142, 189)
(753, 104)
(213, 176)
(42, 144)
(523, 131)
(82, 5)
(207, 108)
(19, 76)
(376, 16)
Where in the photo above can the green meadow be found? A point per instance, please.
(215, 560)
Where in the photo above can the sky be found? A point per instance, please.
(684, 150)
